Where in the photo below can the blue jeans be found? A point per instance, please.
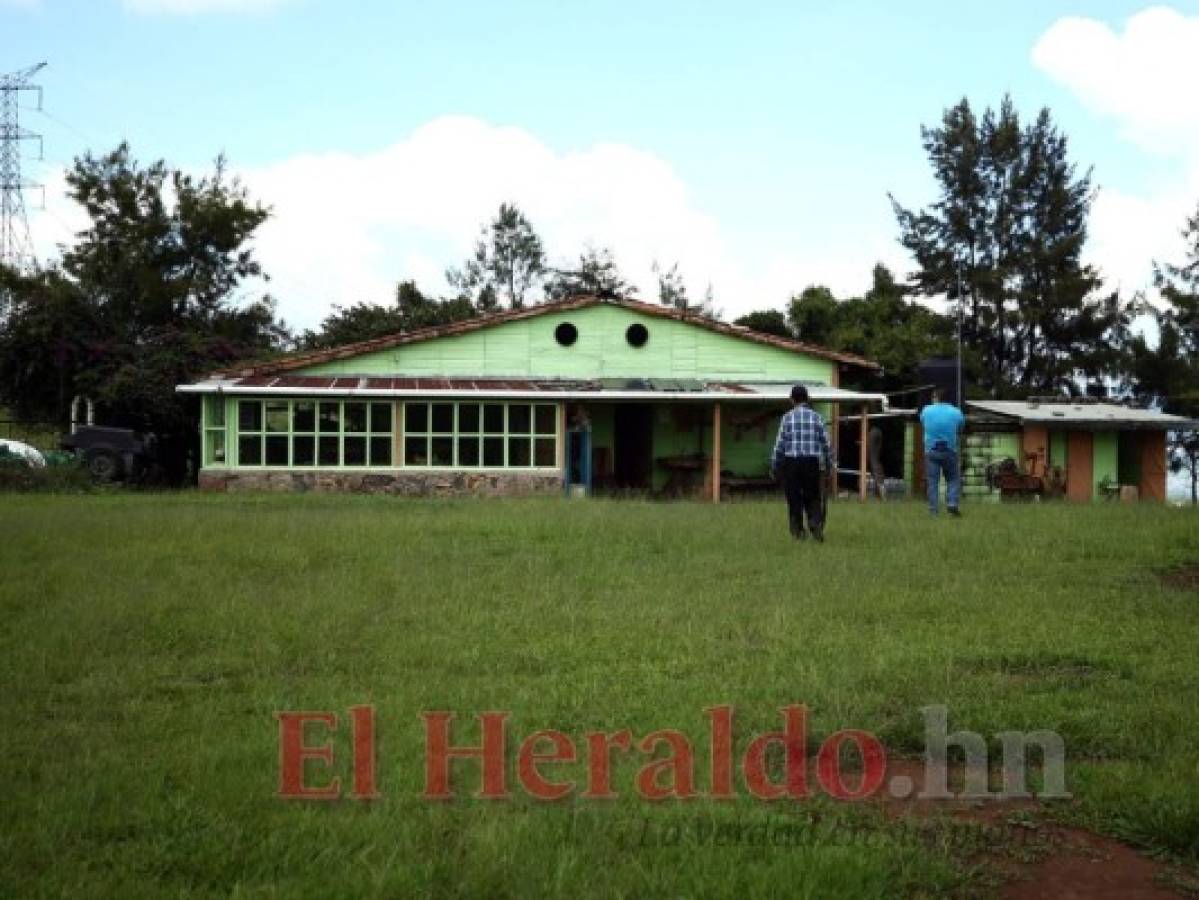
(937, 462)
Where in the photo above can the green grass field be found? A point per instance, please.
(146, 642)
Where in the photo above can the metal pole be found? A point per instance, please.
(961, 305)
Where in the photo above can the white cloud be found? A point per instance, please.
(1128, 231)
(192, 7)
(1144, 76)
(1143, 79)
(348, 227)
(54, 219)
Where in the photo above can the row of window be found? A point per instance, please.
(481, 435)
(314, 433)
(337, 433)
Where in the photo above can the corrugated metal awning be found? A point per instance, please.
(648, 389)
(1086, 416)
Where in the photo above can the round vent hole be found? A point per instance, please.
(566, 334)
(637, 335)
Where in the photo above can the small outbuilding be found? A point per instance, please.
(1088, 449)
(584, 394)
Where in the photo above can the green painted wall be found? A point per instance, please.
(982, 449)
(747, 435)
(527, 347)
(1058, 444)
(678, 430)
(1105, 459)
(1057, 449)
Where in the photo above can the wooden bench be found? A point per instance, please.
(747, 484)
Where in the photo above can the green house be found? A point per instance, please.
(581, 395)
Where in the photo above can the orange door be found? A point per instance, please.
(1153, 465)
(1079, 466)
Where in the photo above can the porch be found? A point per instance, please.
(710, 445)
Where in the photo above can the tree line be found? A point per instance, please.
(508, 269)
(154, 292)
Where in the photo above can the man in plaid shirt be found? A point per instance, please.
(801, 456)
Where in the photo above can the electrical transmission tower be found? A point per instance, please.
(16, 247)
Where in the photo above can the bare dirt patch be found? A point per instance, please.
(1182, 578)
(1033, 857)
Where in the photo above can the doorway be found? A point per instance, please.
(1079, 466)
(632, 446)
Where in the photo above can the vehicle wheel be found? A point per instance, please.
(104, 465)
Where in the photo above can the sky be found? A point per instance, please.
(753, 144)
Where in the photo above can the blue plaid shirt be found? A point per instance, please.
(802, 433)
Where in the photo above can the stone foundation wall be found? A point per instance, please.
(408, 483)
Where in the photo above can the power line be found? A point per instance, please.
(16, 246)
(87, 139)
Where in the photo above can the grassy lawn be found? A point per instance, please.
(147, 641)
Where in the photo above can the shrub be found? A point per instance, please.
(66, 477)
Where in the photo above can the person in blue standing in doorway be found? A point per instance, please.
(942, 424)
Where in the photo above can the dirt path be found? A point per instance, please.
(1086, 865)
(1037, 858)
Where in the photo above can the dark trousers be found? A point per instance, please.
(802, 487)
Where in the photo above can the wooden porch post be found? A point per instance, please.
(834, 438)
(397, 452)
(562, 438)
(862, 453)
(716, 452)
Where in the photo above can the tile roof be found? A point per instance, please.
(293, 361)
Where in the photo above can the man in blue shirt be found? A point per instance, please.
(801, 454)
(942, 422)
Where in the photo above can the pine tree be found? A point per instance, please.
(671, 290)
(508, 262)
(1169, 373)
(1004, 241)
(596, 274)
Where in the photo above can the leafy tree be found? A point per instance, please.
(509, 260)
(766, 321)
(596, 274)
(147, 297)
(886, 326)
(1169, 372)
(1004, 239)
(350, 324)
(883, 325)
(50, 335)
(364, 321)
(1179, 286)
(813, 315)
(672, 291)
